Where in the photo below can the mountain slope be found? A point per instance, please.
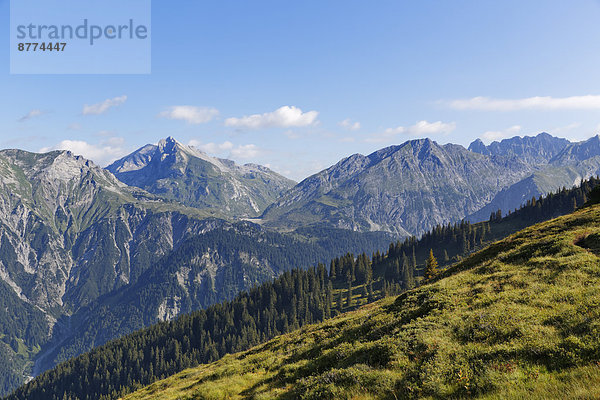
(73, 238)
(185, 174)
(516, 320)
(70, 232)
(203, 270)
(58, 210)
(406, 189)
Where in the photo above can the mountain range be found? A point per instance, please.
(411, 188)
(89, 254)
(463, 321)
(73, 238)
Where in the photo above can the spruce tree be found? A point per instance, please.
(431, 267)
(349, 295)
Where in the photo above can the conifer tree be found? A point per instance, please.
(431, 267)
(349, 295)
(407, 274)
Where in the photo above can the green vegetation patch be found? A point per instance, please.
(520, 319)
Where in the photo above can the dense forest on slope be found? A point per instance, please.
(517, 320)
(203, 270)
(297, 298)
(20, 320)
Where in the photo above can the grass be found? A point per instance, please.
(519, 319)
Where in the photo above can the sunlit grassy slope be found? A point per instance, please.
(519, 319)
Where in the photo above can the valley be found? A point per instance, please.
(86, 258)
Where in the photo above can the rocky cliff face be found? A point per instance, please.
(534, 150)
(70, 231)
(564, 168)
(404, 189)
(189, 176)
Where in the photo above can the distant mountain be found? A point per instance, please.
(539, 149)
(566, 168)
(404, 189)
(191, 177)
(411, 188)
(577, 152)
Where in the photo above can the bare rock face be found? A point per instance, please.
(404, 189)
(70, 231)
(411, 188)
(191, 177)
(534, 150)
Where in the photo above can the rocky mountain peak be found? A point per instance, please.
(477, 146)
(168, 145)
(185, 174)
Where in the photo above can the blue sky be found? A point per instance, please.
(298, 86)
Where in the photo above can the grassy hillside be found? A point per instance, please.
(519, 319)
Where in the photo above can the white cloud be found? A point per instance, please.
(348, 124)
(490, 136)
(190, 114)
(31, 114)
(213, 148)
(589, 102)
(431, 128)
(227, 149)
(102, 153)
(565, 128)
(101, 108)
(245, 151)
(284, 117)
(421, 128)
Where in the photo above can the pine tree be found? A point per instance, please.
(333, 270)
(407, 274)
(431, 267)
(340, 302)
(349, 295)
